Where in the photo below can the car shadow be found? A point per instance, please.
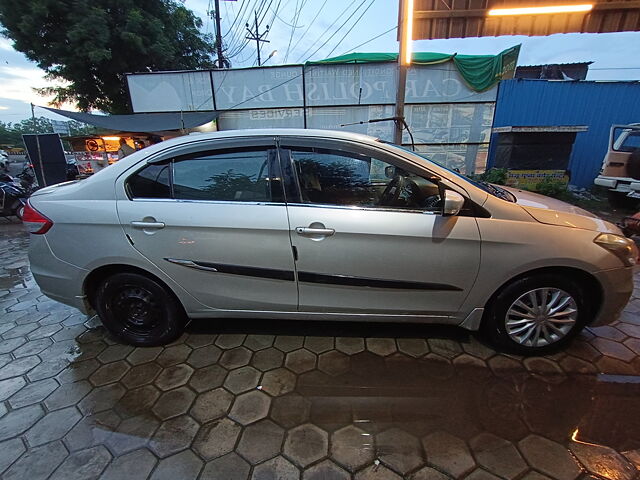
(328, 328)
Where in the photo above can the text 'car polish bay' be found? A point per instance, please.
(310, 224)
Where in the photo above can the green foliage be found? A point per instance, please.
(497, 176)
(89, 45)
(552, 188)
(11, 133)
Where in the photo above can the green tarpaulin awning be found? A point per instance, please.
(480, 72)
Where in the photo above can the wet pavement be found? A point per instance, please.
(293, 400)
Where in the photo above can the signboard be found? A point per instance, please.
(442, 110)
(351, 84)
(268, 87)
(47, 156)
(262, 118)
(528, 179)
(60, 127)
(441, 83)
(282, 87)
(170, 92)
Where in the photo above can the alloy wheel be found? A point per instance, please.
(541, 317)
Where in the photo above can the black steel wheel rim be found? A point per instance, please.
(136, 309)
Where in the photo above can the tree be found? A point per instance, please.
(90, 44)
(11, 133)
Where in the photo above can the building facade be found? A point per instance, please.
(594, 105)
(449, 120)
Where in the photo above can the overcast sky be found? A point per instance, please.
(615, 55)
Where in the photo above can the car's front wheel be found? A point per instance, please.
(139, 310)
(536, 314)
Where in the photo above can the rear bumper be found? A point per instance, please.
(618, 184)
(617, 286)
(56, 278)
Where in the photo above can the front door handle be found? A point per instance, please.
(147, 224)
(315, 232)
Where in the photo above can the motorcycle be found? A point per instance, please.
(13, 197)
(28, 179)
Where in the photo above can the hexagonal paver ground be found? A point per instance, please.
(305, 444)
(235, 399)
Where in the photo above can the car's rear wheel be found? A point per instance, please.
(139, 310)
(536, 314)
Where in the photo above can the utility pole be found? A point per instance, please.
(33, 118)
(257, 36)
(222, 62)
(405, 34)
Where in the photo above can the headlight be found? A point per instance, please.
(622, 247)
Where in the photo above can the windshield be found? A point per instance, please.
(490, 188)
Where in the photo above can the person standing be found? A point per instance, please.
(124, 149)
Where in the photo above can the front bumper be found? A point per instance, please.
(617, 287)
(56, 278)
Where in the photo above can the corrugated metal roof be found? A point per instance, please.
(595, 104)
(436, 19)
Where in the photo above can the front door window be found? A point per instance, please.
(334, 177)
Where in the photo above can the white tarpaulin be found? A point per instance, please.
(268, 87)
(445, 115)
(170, 92)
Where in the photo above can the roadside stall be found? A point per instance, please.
(92, 153)
(127, 133)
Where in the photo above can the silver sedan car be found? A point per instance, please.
(321, 225)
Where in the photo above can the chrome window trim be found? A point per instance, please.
(215, 202)
(282, 204)
(359, 207)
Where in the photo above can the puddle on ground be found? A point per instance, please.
(423, 396)
(14, 276)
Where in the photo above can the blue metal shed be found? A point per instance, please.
(598, 105)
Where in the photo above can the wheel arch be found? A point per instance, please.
(96, 276)
(594, 294)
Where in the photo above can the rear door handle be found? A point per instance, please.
(147, 224)
(310, 232)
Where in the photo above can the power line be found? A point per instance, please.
(242, 5)
(327, 29)
(237, 37)
(262, 93)
(241, 42)
(339, 28)
(266, 10)
(370, 40)
(240, 46)
(287, 23)
(352, 27)
(296, 14)
(257, 36)
(309, 26)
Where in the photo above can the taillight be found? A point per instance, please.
(35, 222)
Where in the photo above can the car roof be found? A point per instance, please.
(261, 132)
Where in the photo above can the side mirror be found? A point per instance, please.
(390, 171)
(453, 203)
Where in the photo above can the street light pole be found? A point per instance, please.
(405, 32)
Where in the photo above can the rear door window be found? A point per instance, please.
(230, 175)
(151, 182)
(238, 176)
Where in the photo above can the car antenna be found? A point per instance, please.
(386, 119)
